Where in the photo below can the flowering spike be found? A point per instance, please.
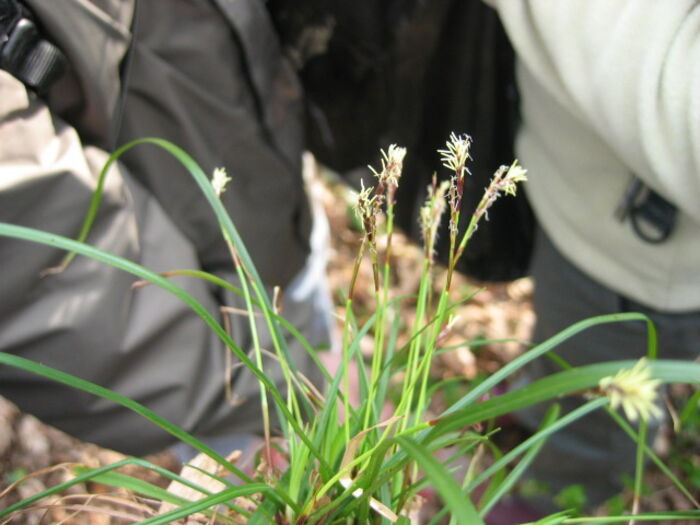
(388, 177)
(366, 210)
(455, 156)
(219, 180)
(393, 159)
(515, 174)
(431, 214)
(504, 181)
(634, 390)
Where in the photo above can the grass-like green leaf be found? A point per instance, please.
(560, 384)
(522, 465)
(462, 509)
(208, 502)
(87, 386)
(33, 235)
(136, 485)
(548, 346)
(690, 515)
(91, 474)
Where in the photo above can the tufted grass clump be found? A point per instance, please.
(369, 461)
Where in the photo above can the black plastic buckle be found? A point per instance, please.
(652, 217)
(24, 53)
(10, 13)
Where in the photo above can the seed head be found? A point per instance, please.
(515, 174)
(365, 202)
(634, 390)
(366, 210)
(219, 180)
(431, 214)
(455, 156)
(504, 181)
(388, 177)
(392, 164)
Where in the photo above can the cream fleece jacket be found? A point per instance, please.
(611, 89)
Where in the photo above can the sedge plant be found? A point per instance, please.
(345, 462)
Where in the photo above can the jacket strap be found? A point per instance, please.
(24, 52)
(652, 217)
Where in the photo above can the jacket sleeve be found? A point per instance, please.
(631, 71)
(87, 320)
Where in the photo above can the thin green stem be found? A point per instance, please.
(346, 367)
(656, 517)
(627, 428)
(430, 348)
(381, 301)
(639, 467)
(412, 365)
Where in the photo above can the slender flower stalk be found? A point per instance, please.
(367, 207)
(504, 181)
(387, 185)
(430, 216)
(219, 181)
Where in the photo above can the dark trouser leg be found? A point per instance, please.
(593, 451)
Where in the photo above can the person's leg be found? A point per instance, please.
(593, 451)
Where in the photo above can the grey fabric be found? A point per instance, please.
(88, 95)
(190, 83)
(187, 83)
(593, 451)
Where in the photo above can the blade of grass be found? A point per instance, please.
(562, 383)
(208, 502)
(652, 455)
(81, 384)
(690, 407)
(537, 438)
(519, 469)
(691, 515)
(550, 344)
(551, 387)
(639, 468)
(463, 511)
(91, 474)
(70, 245)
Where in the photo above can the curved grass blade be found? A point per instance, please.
(208, 502)
(522, 465)
(135, 485)
(546, 389)
(89, 475)
(87, 386)
(30, 234)
(627, 428)
(462, 509)
(549, 345)
(690, 515)
(560, 384)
